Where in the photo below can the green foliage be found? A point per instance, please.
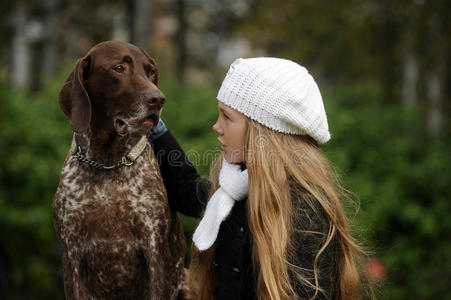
(401, 177)
(34, 141)
(190, 113)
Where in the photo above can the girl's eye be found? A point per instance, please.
(226, 117)
(119, 68)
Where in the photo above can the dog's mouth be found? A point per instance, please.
(124, 126)
(121, 126)
(151, 120)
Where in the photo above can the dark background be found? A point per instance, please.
(383, 68)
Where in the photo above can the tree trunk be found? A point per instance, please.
(181, 41)
(20, 48)
(49, 49)
(434, 95)
(435, 78)
(410, 74)
(139, 25)
(143, 23)
(119, 27)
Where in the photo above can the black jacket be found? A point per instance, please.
(235, 277)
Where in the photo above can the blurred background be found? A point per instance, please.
(383, 68)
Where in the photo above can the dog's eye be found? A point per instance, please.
(149, 70)
(119, 68)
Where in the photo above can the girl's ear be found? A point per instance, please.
(73, 98)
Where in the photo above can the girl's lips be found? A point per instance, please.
(222, 145)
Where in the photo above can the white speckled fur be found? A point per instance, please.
(113, 223)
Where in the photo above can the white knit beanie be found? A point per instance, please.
(277, 93)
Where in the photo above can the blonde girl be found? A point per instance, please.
(273, 225)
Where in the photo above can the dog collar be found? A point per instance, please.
(127, 160)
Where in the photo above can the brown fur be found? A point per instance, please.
(120, 239)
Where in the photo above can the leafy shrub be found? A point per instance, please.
(34, 141)
(401, 176)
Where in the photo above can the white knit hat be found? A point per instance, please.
(277, 93)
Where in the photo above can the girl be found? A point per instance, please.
(274, 227)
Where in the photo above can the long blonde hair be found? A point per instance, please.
(275, 160)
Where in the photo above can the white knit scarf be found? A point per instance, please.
(233, 187)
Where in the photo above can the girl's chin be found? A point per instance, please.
(233, 160)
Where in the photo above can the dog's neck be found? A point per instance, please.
(106, 148)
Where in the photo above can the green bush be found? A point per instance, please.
(34, 141)
(401, 176)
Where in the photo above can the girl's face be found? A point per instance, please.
(231, 127)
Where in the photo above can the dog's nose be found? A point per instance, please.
(156, 98)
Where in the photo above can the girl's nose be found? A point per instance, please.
(216, 128)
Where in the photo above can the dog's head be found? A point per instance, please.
(117, 85)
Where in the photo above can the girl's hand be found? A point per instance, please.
(157, 131)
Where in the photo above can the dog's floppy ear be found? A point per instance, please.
(152, 62)
(74, 99)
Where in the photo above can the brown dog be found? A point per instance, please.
(111, 213)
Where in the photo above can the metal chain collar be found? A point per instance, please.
(96, 165)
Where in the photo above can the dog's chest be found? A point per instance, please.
(127, 203)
